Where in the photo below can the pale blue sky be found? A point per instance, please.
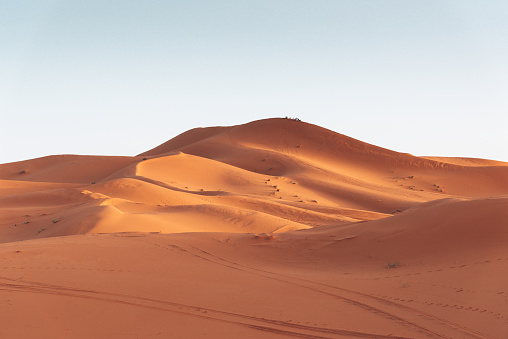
(120, 77)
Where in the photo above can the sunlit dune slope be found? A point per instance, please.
(293, 148)
(272, 175)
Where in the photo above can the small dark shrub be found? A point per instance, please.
(392, 265)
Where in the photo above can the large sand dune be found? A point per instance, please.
(273, 228)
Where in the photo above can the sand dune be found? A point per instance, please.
(268, 229)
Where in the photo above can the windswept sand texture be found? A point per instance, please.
(275, 228)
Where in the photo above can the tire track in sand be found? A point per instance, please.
(255, 323)
(349, 296)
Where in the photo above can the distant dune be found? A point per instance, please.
(273, 228)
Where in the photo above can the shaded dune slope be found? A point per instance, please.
(439, 231)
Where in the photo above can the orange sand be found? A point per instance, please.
(275, 228)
